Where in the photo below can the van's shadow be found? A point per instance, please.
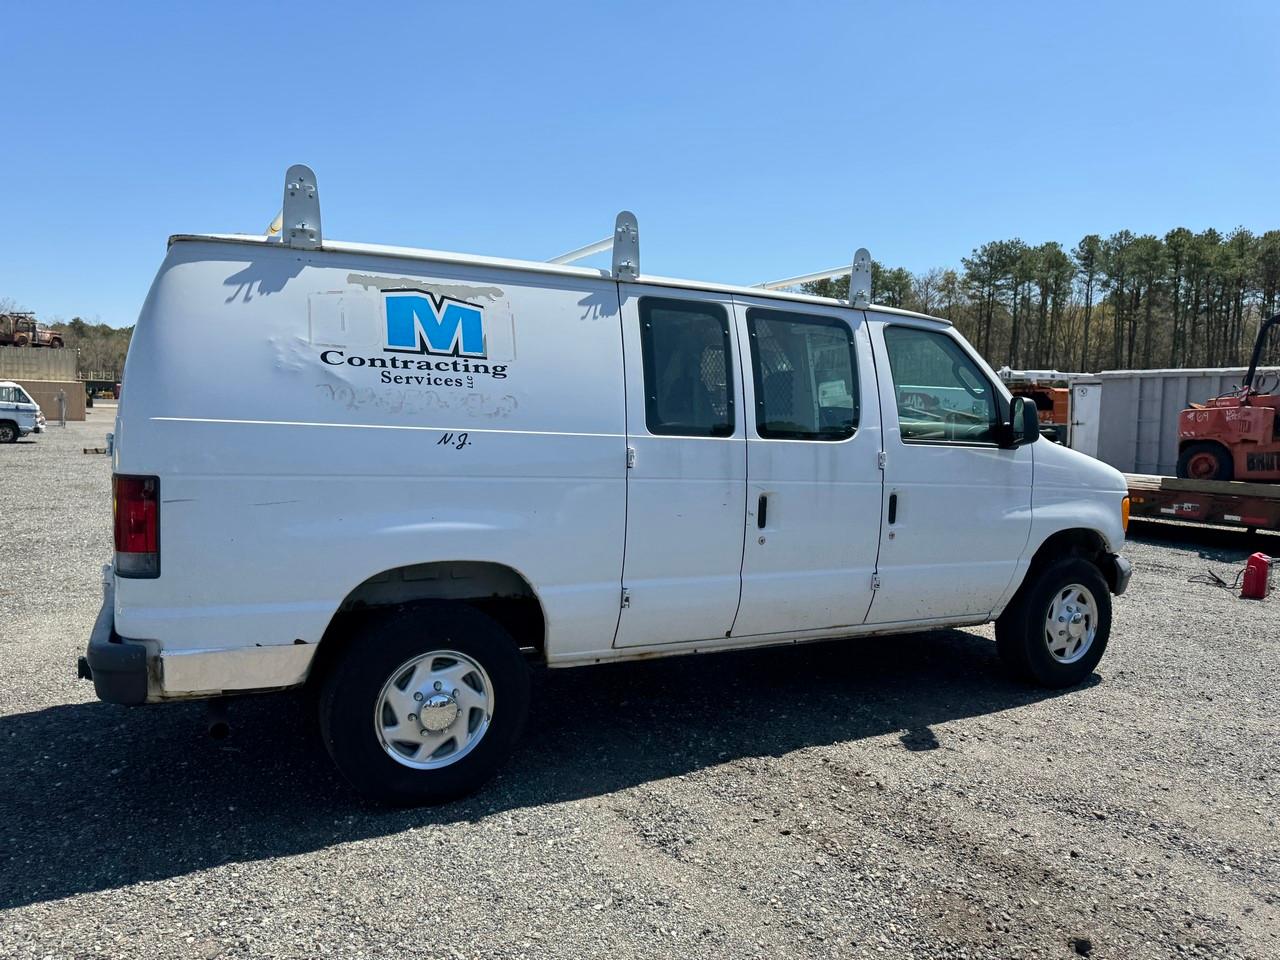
(98, 797)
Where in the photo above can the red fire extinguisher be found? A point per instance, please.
(1257, 577)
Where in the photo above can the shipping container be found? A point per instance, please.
(1137, 413)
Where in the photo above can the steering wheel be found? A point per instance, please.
(920, 413)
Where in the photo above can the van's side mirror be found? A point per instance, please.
(1024, 423)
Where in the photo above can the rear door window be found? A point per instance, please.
(805, 374)
(688, 368)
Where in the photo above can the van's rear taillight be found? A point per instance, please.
(137, 524)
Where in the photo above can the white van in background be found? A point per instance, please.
(433, 469)
(19, 414)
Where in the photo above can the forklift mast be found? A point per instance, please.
(1259, 345)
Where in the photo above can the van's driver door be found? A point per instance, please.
(686, 485)
(958, 505)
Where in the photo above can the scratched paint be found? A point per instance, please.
(418, 402)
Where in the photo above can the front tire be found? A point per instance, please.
(424, 703)
(1056, 629)
(8, 432)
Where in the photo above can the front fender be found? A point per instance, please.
(1073, 492)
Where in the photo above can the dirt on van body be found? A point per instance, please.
(893, 797)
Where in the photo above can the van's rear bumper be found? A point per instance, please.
(117, 667)
(134, 671)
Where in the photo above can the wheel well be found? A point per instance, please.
(1184, 444)
(1078, 542)
(496, 590)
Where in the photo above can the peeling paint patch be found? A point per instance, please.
(291, 353)
(457, 291)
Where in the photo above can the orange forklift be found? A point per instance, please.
(1235, 436)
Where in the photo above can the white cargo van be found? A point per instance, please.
(19, 414)
(405, 475)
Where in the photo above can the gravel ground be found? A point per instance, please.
(885, 798)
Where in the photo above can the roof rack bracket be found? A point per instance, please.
(860, 280)
(301, 215)
(626, 247)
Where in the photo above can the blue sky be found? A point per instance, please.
(753, 141)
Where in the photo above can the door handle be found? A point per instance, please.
(762, 510)
(893, 508)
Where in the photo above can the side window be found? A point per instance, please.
(805, 376)
(688, 368)
(942, 394)
(6, 395)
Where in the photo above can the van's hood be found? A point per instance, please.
(1061, 466)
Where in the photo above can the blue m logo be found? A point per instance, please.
(421, 323)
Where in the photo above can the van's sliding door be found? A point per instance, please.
(686, 485)
(814, 482)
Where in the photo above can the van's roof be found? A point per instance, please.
(538, 266)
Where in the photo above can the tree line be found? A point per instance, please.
(101, 348)
(1124, 301)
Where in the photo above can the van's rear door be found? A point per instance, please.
(686, 485)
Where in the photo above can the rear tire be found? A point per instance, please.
(449, 659)
(1039, 636)
(1205, 461)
